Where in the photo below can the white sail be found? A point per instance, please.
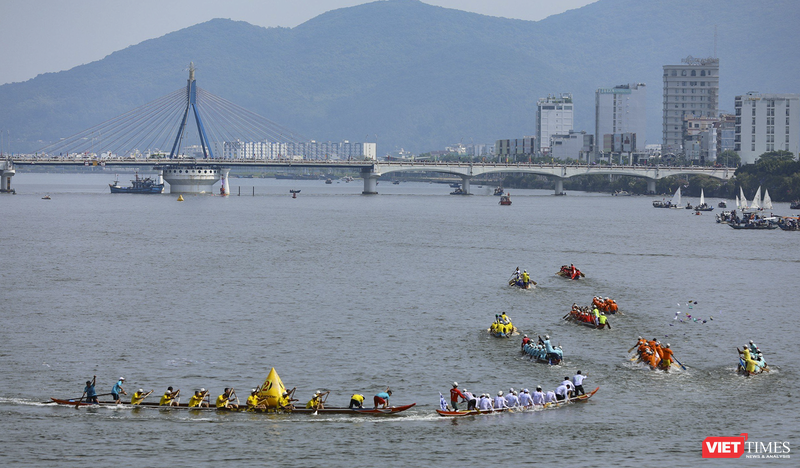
(756, 204)
(767, 202)
(742, 199)
(738, 204)
(676, 199)
(702, 198)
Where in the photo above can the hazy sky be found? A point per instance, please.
(40, 36)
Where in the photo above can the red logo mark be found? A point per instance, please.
(724, 447)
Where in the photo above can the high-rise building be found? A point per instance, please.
(621, 109)
(553, 117)
(691, 88)
(766, 122)
(725, 133)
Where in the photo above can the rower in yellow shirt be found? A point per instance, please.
(139, 396)
(254, 403)
(357, 401)
(198, 399)
(316, 402)
(285, 401)
(168, 398)
(224, 400)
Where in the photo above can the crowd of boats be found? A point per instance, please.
(754, 214)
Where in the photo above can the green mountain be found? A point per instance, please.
(419, 76)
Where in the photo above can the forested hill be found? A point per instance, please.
(419, 76)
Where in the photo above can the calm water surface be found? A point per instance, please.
(352, 293)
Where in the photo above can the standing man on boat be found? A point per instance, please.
(198, 399)
(168, 398)
(578, 382)
(117, 389)
(382, 399)
(455, 393)
(89, 391)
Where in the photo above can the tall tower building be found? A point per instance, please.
(621, 109)
(691, 88)
(766, 122)
(553, 117)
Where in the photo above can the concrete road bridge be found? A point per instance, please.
(202, 173)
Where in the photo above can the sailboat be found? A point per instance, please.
(676, 199)
(756, 203)
(766, 203)
(703, 206)
(674, 203)
(742, 203)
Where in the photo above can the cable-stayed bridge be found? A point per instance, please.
(158, 133)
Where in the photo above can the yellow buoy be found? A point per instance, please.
(180, 197)
(272, 389)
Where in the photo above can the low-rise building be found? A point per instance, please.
(575, 145)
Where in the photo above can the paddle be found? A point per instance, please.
(679, 363)
(637, 344)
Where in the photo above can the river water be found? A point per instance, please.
(352, 293)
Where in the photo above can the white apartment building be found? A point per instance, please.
(689, 88)
(766, 122)
(553, 117)
(621, 109)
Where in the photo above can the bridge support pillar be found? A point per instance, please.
(370, 182)
(225, 185)
(651, 186)
(6, 172)
(559, 186)
(465, 184)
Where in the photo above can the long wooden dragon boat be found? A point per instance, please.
(185, 406)
(556, 404)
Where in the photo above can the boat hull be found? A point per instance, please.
(151, 190)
